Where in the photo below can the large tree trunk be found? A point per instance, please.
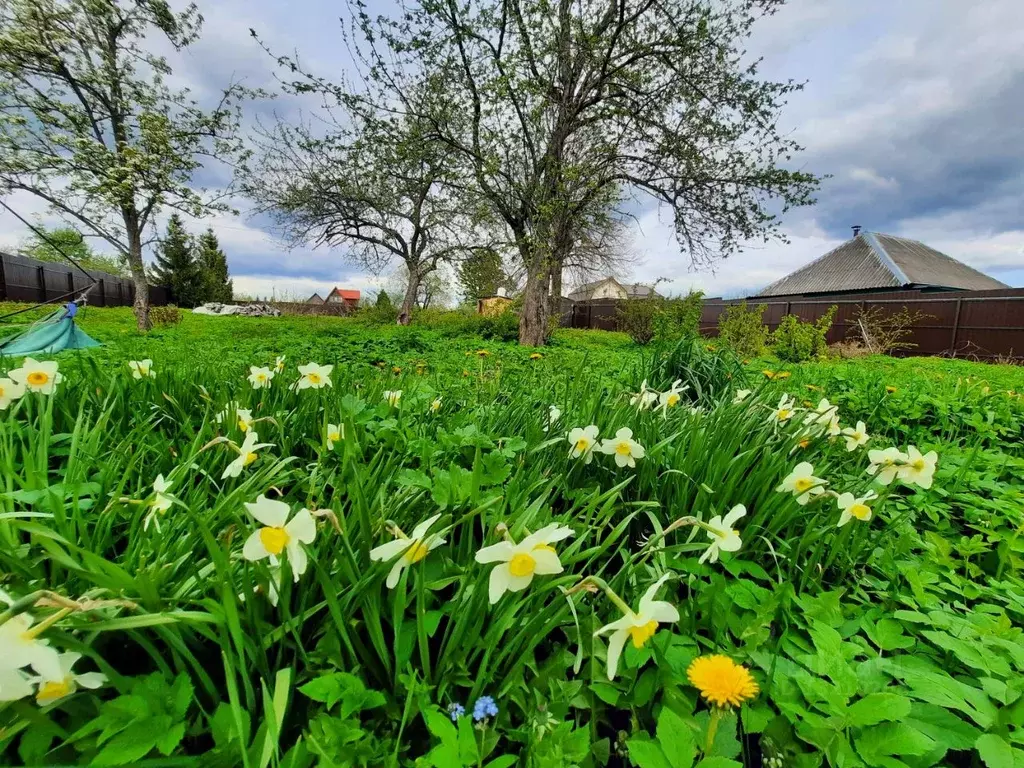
(141, 306)
(412, 288)
(533, 326)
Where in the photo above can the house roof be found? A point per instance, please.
(633, 290)
(315, 298)
(344, 293)
(876, 260)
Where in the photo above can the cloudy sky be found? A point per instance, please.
(913, 107)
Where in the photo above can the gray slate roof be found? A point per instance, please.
(875, 260)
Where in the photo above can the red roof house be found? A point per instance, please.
(350, 298)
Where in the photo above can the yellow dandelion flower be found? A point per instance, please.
(768, 374)
(813, 388)
(396, 369)
(465, 373)
(721, 681)
(890, 389)
(783, 375)
(536, 356)
(482, 353)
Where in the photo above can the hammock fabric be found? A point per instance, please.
(53, 333)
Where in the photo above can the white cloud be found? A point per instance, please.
(872, 178)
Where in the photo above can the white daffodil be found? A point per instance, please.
(335, 434)
(623, 447)
(645, 398)
(856, 436)
(852, 507)
(885, 464)
(160, 504)
(19, 647)
(917, 469)
(783, 412)
(14, 684)
(142, 369)
(392, 397)
(412, 549)
(554, 414)
(260, 378)
(278, 534)
(244, 417)
(832, 429)
(671, 398)
(823, 415)
(638, 626)
(741, 395)
(10, 391)
(54, 688)
(247, 454)
(279, 364)
(313, 375)
(583, 440)
(435, 406)
(517, 563)
(724, 538)
(37, 376)
(802, 483)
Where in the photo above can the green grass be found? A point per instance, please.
(890, 641)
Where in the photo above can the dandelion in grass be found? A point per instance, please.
(52, 689)
(392, 397)
(10, 391)
(260, 378)
(852, 507)
(279, 534)
(672, 397)
(885, 463)
(783, 412)
(517, 564)
(484, 708)
(918, 469)
(14, 684)
(645, 398)
(335, 434)
(638, 626)
(455, 711)
(583, 440)
(740, 396)
(724, 537)
(783, 375)
(482, 353)
(536, 356)
(435, 406)
(768, 374)
(408, 549)
(314, 376)
(890, 389)
(142, 369)
(22, 647)
(802, 483)
(623, 447)
(247, 454)
(721, 682)
(160, 504)
(279, 364)
(856, 436)
(39, 376)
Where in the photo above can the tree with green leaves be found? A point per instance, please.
(176, 265)
(481, 274)
(89, 124)
(549, 106)
(213, 267)
(61, 242)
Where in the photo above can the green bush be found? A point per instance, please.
(636, 317)
(679, 318)
(796, 341)
(741, 329)
(503, 327)
(163, 316)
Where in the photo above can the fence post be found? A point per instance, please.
(41, 278)
(71, 282)
(956, 326)
(103, 292)
(120, 293)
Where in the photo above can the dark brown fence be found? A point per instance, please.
(34, 281)
(334, 309)
(982, 324)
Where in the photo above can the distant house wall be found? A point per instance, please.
(609, 290)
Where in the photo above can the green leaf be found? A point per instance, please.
(880, 741)
(676, 739)
(994, 751)
(942, 725)
(468, 751)
(609, 694)
(170, 739)
(505, 761)
(877, 708)
(718, 762)
(647, 754)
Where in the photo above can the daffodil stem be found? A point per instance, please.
(599, 582)
(21, 605)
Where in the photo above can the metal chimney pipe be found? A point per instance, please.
(856, 229)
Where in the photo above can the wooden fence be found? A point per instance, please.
(977, 324)
(31, 280)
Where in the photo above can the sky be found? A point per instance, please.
(912, 108)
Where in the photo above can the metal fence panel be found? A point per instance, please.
(30, 280)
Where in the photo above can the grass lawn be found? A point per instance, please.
(435, 561)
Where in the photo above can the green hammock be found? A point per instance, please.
(53, 333)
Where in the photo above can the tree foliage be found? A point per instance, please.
(61, 242)
(213, 266)
(481, 274)
(89, 124)
(176, 265)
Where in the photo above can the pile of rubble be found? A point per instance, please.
(257, 309)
